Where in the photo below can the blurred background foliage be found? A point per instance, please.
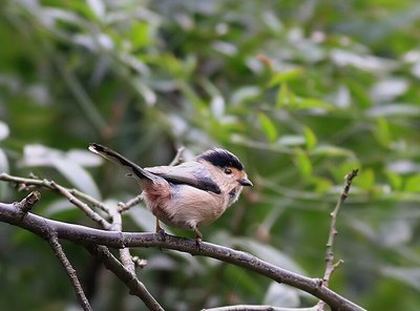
(302, 91)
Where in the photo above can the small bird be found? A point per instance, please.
(190, 194)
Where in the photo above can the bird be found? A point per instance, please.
(190, 194)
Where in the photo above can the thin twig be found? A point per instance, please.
(178, 157)
(94, 202)
(58, 251)
(330, 266)
(136, 287)
(124, 252)
(85, 235)
(256, 308)
(123, 207)
(67, 193)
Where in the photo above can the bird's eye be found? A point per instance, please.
(228, 171)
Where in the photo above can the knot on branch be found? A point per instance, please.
(26, 204)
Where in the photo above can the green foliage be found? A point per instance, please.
(302, 91)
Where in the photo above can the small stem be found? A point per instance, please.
(59, 252)
(330, 267)
(136, 287)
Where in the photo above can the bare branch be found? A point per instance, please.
(329, 255)
(123, 207)
(136, 287)
(330, 266)
(86, 235)
(178, 157)
(67, 193)
(256, 308)
(26, 204)
(58, 251)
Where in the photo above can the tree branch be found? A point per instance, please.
(85, 235)
(58, 251)
(67, 193)
(136, 287)
(256, 308)
(330, 266)
(26, 204)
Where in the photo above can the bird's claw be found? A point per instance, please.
(162, 234)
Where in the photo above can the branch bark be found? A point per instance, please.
(85, 235)
(59, 253)
(330, 266)
(136, 287)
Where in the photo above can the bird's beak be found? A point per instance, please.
(246, 182)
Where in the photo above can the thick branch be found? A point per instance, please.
(85, 235)
(58, 251)
(136, 287)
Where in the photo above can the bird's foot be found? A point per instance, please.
(162, 234)
(198, 241)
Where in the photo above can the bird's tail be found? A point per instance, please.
(115, 157)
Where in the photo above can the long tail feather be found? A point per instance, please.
(115, 157)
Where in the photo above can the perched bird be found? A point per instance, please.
(190, 194)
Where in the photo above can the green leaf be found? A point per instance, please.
(395, 180)
(140, 34)
(332, 151)
(383, 132)
(309, 137)
(284, 96)
(413, 184)
(303, 163)
(365, 179)
(285, 76)
(268, 127)
(311, 103)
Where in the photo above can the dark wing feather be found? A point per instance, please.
(190, 173)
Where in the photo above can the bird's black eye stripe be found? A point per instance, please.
(228, 171)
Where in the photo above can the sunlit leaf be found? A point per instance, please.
(310, 138)
(284, 96)
(140, 34)
(244, 94)
(413, 184)
(395, 180)
(291, 140)
(303, 163)
(268, 127)
(284, 76)
(383, 132)
(332, 151)
(365, 179)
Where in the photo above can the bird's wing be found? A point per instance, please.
(190, 173)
